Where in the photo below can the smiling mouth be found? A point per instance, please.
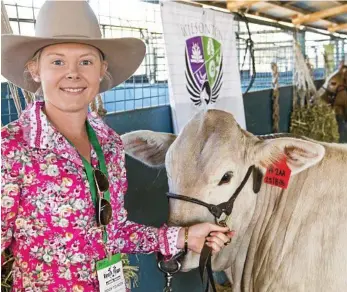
(73, 90)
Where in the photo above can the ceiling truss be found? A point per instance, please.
(294, 15)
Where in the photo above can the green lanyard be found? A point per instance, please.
(89, 168)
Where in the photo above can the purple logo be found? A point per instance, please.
(204, 72)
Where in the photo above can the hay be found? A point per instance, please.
(311, 117)
(317, 122)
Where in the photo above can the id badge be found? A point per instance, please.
(110, 274)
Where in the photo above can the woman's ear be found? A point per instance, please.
(33, 68)
(104, 66)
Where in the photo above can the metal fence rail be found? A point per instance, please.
(149, 85)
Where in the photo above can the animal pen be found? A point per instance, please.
(266, 61)
(265, 43)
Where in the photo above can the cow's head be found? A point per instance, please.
(334, 91)
(208, 161)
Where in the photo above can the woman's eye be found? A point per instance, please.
(86, 62)
(226, 178)
(332, 83)
(58, 62)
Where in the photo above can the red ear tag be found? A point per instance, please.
(278, 174)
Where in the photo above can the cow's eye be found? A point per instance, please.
(226, 178)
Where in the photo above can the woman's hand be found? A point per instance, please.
(215, 237)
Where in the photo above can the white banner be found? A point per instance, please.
(202, 62)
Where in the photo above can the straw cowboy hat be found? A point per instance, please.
(69, 22)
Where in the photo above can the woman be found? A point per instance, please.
(63, 174)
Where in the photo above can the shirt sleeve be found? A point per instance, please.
(137, 238)
(131, 237)
(10, 197)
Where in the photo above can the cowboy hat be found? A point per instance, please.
(69, 22)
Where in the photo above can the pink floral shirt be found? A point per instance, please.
(48, 217)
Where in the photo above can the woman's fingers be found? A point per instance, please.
(222, 236)
(215, 247)
(231, 233)
(220, 242)
(214, 228)
(216, 237)
(217, 240)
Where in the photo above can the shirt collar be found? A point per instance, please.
(39, 132)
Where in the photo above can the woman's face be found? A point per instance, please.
(70, 75)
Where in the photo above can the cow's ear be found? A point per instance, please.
(147, 146)
(299, 154)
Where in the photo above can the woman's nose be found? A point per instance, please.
(73, 73)
(72, 76)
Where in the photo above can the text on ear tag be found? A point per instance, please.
(278, 174)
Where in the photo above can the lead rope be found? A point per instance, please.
(249, 47)
(173, 266)
(205, 269)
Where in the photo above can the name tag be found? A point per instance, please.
(110, 274)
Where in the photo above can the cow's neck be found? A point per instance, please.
(256, 218)
(284, 238)
(279, 231)
(268, 209)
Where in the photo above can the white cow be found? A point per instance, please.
(292, 239)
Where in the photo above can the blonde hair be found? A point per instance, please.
(36, 58)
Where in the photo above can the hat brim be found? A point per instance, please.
(123, 56)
